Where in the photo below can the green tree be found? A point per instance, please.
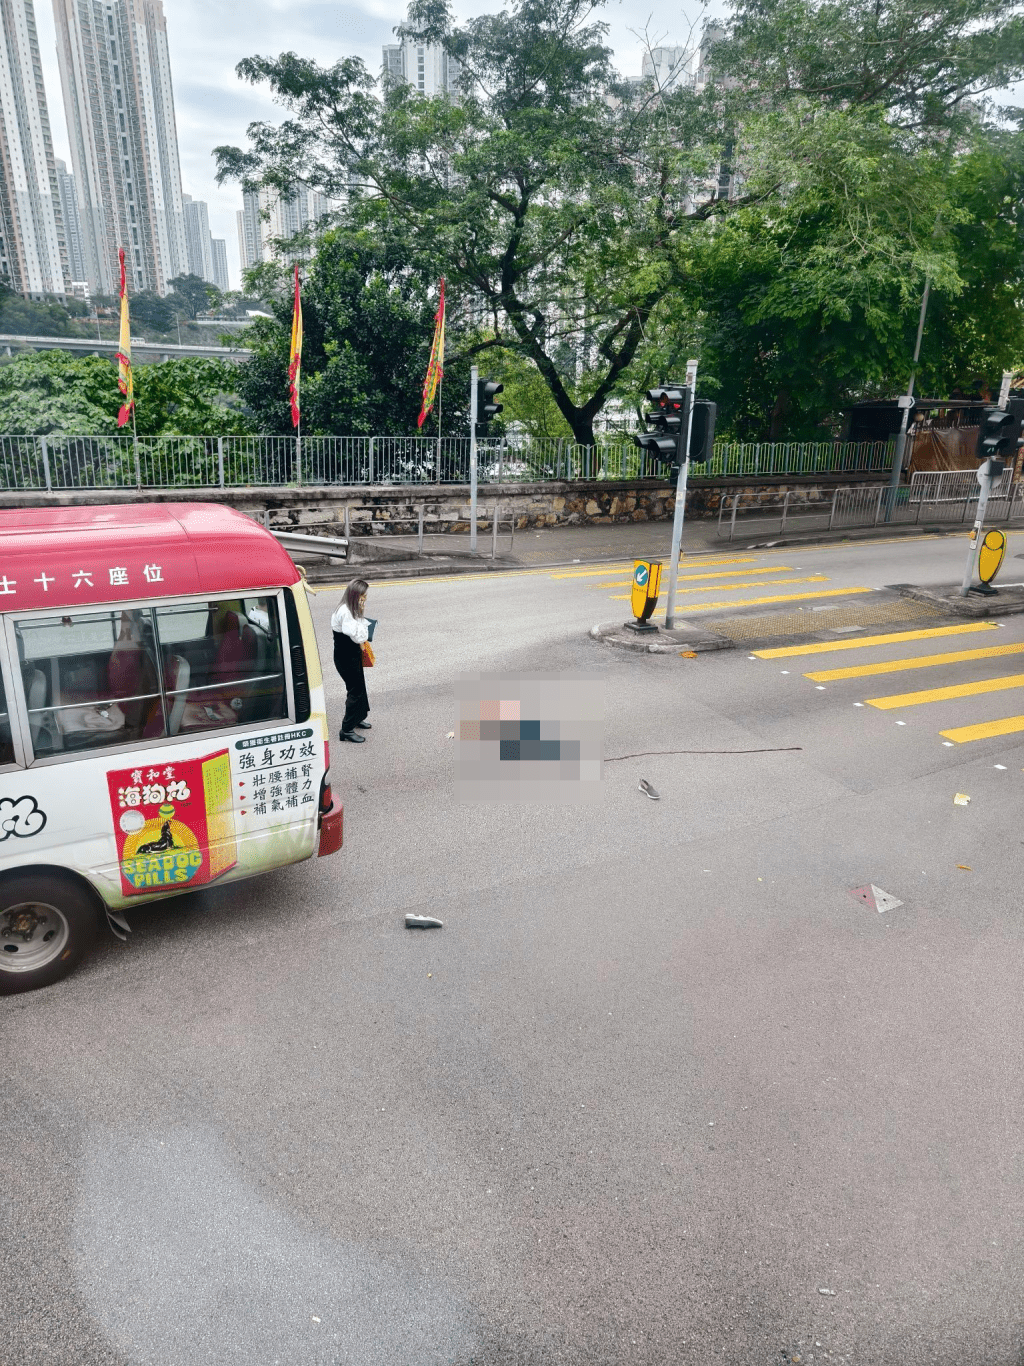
(193, 295)
(148, 310)
(552, 192)
(368, 323)
(52, 392)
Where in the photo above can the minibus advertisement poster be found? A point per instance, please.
(173, 823)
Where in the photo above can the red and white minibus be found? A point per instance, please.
(162, 719)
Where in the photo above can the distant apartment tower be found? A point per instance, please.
(72, 222)
(425, 67)
(33, 256)
(266, 218)
(669, 67)
(220, 264)
(116, 76)
(248, 220)
(197, 237)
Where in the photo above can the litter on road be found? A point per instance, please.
(961, 799)
(649, 790)
(422, 922)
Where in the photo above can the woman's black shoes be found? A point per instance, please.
(364, 725)
(351, 735)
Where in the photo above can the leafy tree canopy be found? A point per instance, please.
(783, 218)
(193, 295)
(52, 392)
(368, 323)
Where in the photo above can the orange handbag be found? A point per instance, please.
(368, 657)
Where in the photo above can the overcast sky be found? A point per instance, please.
(209, 37)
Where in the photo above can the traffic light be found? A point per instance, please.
(702, 431)
(661, 446)
(998, 435)
(486, 408)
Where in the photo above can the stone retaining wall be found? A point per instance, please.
(394, 510)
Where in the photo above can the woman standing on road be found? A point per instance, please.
(351, 631)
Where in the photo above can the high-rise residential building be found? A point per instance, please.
(220, 264)
(68, 192)
(266, 218)
(197, 237)
(248, 221)
(33, 255)
(116, 75)
(669, 67)
(425, 67)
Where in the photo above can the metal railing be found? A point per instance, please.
(945, 496)
(62, 463)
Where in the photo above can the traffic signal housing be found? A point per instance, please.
(486, 408)
(702, 431)
(661, 445)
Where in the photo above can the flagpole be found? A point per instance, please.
(135, 439)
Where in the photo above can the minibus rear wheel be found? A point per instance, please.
(47, 925)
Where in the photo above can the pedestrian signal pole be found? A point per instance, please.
(683, 457)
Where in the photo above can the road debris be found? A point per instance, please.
(649, 790)
(823, 1291)
(450, 735)
(966, 867)
(961, 799)
(687, 654)
(875, 898)
(422, 922)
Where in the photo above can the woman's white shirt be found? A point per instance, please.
(356, 628)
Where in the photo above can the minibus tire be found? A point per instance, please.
(72, 913)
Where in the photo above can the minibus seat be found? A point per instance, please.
(131, 673)
(176, 678)
(235, 663)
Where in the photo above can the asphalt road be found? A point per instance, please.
(661, 1091)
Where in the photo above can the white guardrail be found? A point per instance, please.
(63, 463)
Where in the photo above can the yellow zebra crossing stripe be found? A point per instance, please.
(892, 666)
(717, 587)
(721, 574)
(1009, 725)
(918, 699)
(825, 647)
(628, 568)
(778, 597)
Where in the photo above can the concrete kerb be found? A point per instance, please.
(1005, 602)
(682, 639)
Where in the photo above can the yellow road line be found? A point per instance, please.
(985, 730)
(717, 587)
(623, 568)
(862, 642)
(918, 699)
(892, 666)
(779, 597)
(722, 574)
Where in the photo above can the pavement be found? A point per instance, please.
(566, 545)
(672, 1085)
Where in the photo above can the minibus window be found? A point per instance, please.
(222, 663)
(90, 680)
(6, 742)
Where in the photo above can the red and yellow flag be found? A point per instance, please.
(124, 354)
(295, 355)
(435, 367)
